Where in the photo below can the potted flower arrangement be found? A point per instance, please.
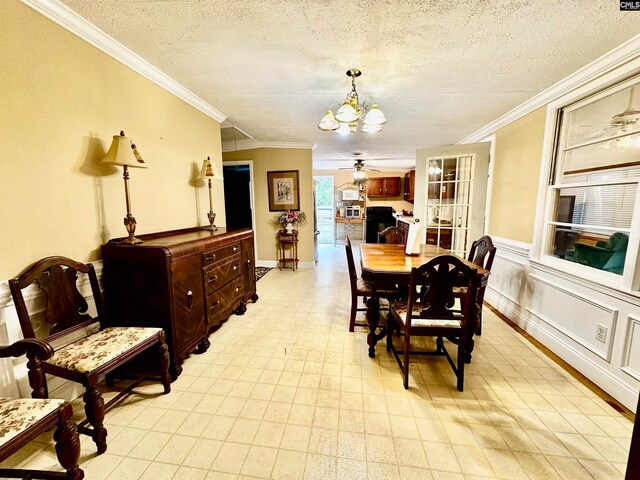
(289, 219)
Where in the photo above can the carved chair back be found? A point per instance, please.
(66, 309)
(431, 292)
(482, 252)
(393, 235)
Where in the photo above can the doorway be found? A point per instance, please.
(324, 207)
(237, 195)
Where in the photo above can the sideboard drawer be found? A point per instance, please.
(212, 256)
(222, 302)
(219, 274)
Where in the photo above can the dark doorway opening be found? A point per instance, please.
(237, 196)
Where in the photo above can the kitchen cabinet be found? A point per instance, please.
(383, 187)
(186, 281)
(409, 186)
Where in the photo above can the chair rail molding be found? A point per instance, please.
(515, 247)
(71, 21)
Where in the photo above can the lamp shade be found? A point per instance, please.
(209, 171)
(328, 122)
(123, 152)
(374, 116)
(347, 113)
(359, 175)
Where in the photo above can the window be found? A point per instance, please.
(593, 188)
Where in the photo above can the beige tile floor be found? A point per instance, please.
(286, 392)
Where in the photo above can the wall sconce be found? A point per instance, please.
(123, 152)
(210, 172)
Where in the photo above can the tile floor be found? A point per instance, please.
(286, 392)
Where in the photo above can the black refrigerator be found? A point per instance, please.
(377, 219)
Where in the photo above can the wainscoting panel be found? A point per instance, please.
(563, 314)
(580, 318)
(631, 360)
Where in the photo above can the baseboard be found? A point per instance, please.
(274, 264)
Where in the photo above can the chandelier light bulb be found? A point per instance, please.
(371, 128)
(343, 129)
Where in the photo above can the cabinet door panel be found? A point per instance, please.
(188, 302)
(375, 187)
(248, 262)
(392, 186)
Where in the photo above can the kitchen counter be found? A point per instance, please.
(404, 218)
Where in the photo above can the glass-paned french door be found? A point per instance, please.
(448, 206)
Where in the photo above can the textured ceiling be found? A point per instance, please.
(438, 69)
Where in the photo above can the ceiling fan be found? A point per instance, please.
(359, 166)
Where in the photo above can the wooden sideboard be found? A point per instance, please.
(186, 281)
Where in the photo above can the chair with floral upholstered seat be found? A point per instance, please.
(85, 351)
(434, 310)
(23, 419)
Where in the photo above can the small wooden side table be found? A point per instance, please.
(288, 243)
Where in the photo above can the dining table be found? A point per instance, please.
(386, 266)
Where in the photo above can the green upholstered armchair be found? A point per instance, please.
(605, 255)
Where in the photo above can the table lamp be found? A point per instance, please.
(124, 152)
(210, 172)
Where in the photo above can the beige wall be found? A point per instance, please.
(518, 155)
(346, 176)
(62, 100)
(270, 159)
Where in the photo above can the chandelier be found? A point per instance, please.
(352, 112)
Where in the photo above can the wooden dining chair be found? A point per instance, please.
(482, 253)
(432, 310)
(392, 235)
(24, 419)
(360, 288)
(80, 356)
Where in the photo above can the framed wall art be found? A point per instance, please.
(283, 190)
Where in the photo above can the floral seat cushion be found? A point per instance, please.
(93, 351)
(400, 308)
(17, 415)
(366, 287)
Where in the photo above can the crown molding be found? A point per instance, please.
(253, 144)
(624, 53)
(71, 21)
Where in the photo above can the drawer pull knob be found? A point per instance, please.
(189, 299)
(208, 258)
(235, 267)
(237, 289)
(213, 279)
(248, 262)
(217, 302)
(235, 248)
